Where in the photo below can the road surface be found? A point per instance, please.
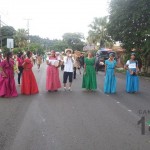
(76, 120)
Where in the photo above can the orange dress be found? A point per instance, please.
(29, 84)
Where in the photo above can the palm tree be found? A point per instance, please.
(98, 32)
(21, 38)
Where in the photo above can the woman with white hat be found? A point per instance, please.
(68, 68)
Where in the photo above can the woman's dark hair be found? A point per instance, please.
(8, 55)
(28, 54)
(20, 54)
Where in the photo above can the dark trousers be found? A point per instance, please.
(74, 72)
(66, 75)
(20, 73)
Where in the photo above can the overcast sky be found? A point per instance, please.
(52, 18)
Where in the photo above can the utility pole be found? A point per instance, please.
(0, 33)
(28, 29)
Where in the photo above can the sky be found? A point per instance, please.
(52, 18)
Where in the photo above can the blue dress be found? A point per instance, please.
(110, 79)
(132, 81)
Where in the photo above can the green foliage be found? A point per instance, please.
(98, 33)
(58, 45)
(129, 23)
(17, 50)
(7, 32)
(74, 40)
(21, 38)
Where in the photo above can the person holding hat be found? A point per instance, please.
(68, 68)
(110, 78)
(132, 80)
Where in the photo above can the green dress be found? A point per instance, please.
(89, 77)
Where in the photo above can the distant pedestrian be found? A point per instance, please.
(52, 78)
(62, 61)
(68, 68)
(110, 78)
(89, 77)
(81, 60)
(39, 61)
(76, 66)
(20, 60)
(132, 79)
(7, 81)
(29, 84)
(16, 70)
(34, 59)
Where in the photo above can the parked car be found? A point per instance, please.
(101, 56)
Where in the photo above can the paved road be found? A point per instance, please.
(76, 120)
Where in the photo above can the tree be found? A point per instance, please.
(58, 45)
(7, 32)
(21, 38)
(98, 33)
(129, 23)
(74, 40)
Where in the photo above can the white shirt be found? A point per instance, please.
(68, 64)
(52, 61)
(131, 65)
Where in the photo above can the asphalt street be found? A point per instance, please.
(76, 120)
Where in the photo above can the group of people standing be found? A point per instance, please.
(7, 81)
(27, 81)
(89, 81)
(110, 81)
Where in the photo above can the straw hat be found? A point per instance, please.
(66, 50)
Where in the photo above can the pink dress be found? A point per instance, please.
(7, 84)
(52, 78)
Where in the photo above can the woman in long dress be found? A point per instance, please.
(52, 78)
(89, 77)
(7, 82)
(29, 84)
(132, 80)
(110, 78)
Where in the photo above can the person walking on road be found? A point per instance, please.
(132, 80)
(34, 59)
(110, 78)
(20, 60)
(52, 78)
(39, 61)
(68, 68)
(81, 59)
(29, 84)
(7, 81)
(89, 76)
(76, 66)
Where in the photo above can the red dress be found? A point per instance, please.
(29, 84)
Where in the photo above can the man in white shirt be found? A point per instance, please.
(68, 68)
